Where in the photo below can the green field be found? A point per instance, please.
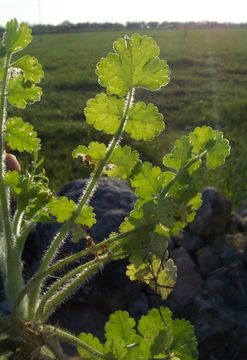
(208, 86)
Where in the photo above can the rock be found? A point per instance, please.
(219, 314)
(112, 202)
(188, 281)
(191, 242)
(227, 289)
(213, 216)
(208, 260)
(238, 223)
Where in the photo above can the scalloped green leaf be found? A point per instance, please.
(62, 208)
(92, 341)
(32, 70)
(164, 277)
(174, 339)
(157, 320)
(95, 150)
(104, 112)
(206, 139)
(20, 95)
(159, 275)
(144, 121)
(16, 36)
(149, 180)
(121, 326)
(21, 136)
(217, 154)
(184, 345)
(121, 162)
(180, 155)
(135, 63)
(119, 333)
(86, 216)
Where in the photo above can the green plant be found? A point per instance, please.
(166, 201)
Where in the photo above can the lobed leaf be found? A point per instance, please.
(119, 333)
(135, 63)
(121, 326)
(158, 274)
(180, 155)
(93, 153)
(32, 70)
(92, 341)
(148, 180)
(86, 216)
(144, 121)
(121, 162)
(17, 36)
(184, 344)
(104, 112)
(20, 94)
(62, 208)
(155, 322)
(206, 139)
(21, 136)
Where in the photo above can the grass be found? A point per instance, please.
(208, 86)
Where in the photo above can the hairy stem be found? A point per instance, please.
(34, 295)
(68, 338)
(13, 267)
(68, 289)
(57, 285)
(68, 260)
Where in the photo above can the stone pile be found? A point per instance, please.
(211, 258)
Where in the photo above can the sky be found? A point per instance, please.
(57, 11)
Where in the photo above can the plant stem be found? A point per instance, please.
(61, 263)
(57, 285)
(17, 220)
(14, 280)
(70, 288)
(34, 294)
(68, 338)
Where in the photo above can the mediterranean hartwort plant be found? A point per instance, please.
(167, 199)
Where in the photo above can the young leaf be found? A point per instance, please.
(104, 112)
(121, 162)
(92, 341)
(86, 217)
(62, 208)
(217, 154)
(91, 154)
(12, 179)
(20, 95)
(181, 153)
(16, 37)
(144, 121)
(21, 136)
(135, 63)
(121, 327)
(32, 70)
(206, 139)
(149, 180)
(120, 332)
